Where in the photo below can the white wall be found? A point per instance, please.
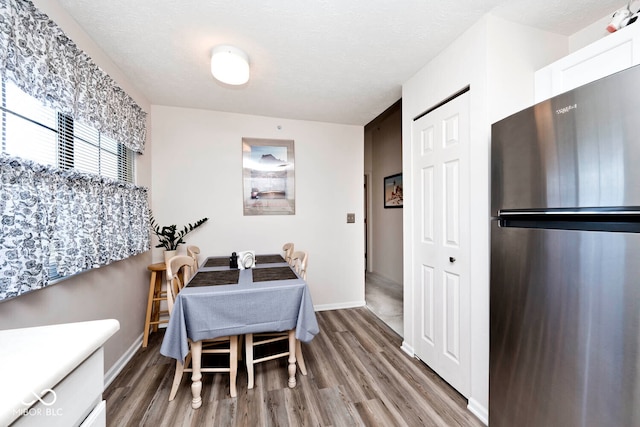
(117, 291)
(512, 62)
(497, 59)
(197, 172)
(593, 32)
(584, 36)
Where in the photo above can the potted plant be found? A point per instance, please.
(170, 237)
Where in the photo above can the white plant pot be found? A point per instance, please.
(169, 254)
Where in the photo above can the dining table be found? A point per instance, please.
(223, 301)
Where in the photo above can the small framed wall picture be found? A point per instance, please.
(393, 191)
(268, 176)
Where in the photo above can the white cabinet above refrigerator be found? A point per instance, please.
(611, 54)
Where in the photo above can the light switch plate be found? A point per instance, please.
(351, 218)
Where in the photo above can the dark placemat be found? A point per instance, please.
(275, 273)
(214, 278)
(269, 259)
(217, 262)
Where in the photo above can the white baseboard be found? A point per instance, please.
(326, 307)
(117, 367)
(479, 411)
(407, 349)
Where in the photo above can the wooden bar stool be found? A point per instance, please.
(156, 295)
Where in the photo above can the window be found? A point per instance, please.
(35, 132)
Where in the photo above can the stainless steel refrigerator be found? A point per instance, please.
(565, 260)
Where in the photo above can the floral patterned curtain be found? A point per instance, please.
(42, 61)
(70, 221)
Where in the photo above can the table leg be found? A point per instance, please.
(233, 365)
(196, 375)
(248, 343)
(147, 320)
(292, 358)
(300, 359)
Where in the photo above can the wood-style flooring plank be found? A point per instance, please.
(298, 410)
(276, 410)
(357, 376)
(375, 413)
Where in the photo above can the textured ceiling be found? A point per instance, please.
(339, 61)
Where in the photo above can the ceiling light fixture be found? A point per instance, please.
(230, 65)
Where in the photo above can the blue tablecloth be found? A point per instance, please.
(207, 312)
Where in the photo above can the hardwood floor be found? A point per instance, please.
(357, 376)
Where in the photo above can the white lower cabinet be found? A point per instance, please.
(70, 401)
(56, 375)
(97, 417)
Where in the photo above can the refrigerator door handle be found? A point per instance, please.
(630, 211)
(623, 219)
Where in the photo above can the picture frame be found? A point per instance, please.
(268, 176)
(393, 191)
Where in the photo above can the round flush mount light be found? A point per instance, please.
(230, 65)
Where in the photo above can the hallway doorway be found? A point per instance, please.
(383, 221)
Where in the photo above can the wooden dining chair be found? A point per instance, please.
(179, 270)
(288, 251)
(193, 252)
(253, 341)
(299, 262)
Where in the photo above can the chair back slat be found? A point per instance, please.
(193, 252)
(299, 262)
(288, 251)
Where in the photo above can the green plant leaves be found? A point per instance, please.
(169, 236)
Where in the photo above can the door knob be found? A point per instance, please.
(452, 259)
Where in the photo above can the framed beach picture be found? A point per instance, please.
(393, 191)
(268, 178)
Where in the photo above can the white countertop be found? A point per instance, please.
(33, 360)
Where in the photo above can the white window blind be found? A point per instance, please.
(38, 133)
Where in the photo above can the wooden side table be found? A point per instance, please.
(153, 302)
